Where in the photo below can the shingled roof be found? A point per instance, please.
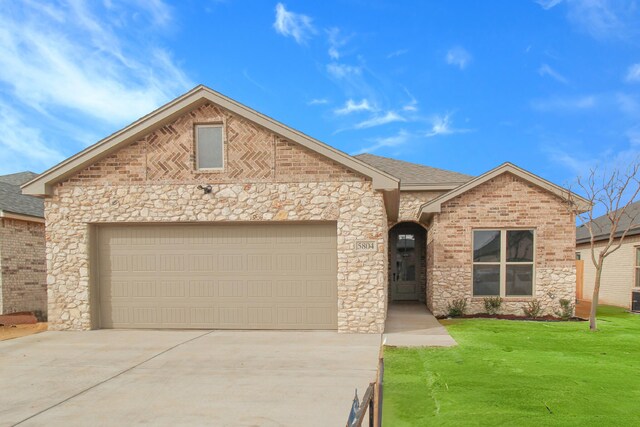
(413, 173)
(11, 197)
(602, 225)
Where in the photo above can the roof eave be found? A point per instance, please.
(20, 216)
(430, 187)
(601, 237)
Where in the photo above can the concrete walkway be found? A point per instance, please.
(410, 324)
(175, 378)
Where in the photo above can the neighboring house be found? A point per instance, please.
(208, 214)
(620, 272)
(23, 278)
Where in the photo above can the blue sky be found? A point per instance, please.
(551, 85)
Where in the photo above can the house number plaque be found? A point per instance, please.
(366, 246)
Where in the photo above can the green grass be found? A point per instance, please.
(516, 373)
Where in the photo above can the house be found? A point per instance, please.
(23, 279)
(620, 275)
(208, 214)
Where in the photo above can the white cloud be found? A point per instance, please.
(402, 137)
(634, 136)
(546, 70)
(412, 105)
(318, 101)
(379, 120)
(628, 104)
(548, 4)
(570, 161)
(598, 18)
(340, 71)
(397, 53)
(565, 104)
(353, 107)
(633, 73)
(23, 144)
(336, 42)
(291, 24)
(459, 57)
(443, 125)
(79, 64)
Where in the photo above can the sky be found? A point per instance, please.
(550, 85)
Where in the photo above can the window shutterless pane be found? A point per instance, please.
(637, 277)
(486, 280)
(519, 246)
(209, 149)
(519, 280)
(486, 246)
(637, 257)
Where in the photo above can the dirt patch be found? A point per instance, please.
(17, 331)
(19, 318)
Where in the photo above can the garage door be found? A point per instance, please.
(245, 276)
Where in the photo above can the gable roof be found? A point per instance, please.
(12, 201)
(199, 95)
(602, 226)
(414, 176)
(18, 178)
(435, 205)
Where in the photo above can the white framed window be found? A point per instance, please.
(209, 147)
(637, 268)
(503, 262)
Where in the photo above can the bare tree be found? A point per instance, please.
(612, 193)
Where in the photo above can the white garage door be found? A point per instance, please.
(241, 276)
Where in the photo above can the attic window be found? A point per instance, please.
(209, 147)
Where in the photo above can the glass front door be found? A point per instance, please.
(405, 268)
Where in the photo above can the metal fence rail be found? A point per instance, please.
(371, 403)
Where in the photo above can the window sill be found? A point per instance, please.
(212, 170)
(504, 299)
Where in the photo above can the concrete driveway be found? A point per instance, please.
(221, 378)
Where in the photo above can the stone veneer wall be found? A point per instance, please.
(265, 179)
(410, 202)
(503, 202)
(23, 281)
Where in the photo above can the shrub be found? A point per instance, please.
(566, 309)
(532, 309)
(457, 307)
(492, 305)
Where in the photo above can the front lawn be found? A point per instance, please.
(518, 373)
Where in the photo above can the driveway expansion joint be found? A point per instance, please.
(111, 378)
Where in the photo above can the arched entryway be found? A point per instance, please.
(407, 262)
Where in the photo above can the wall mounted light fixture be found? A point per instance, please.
(207, 189)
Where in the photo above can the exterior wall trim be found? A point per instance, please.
(21, 217)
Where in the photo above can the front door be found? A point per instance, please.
(405, 274)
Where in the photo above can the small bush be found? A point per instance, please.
(457, 307)
(566, 309)
(532, 309)
(492, 305)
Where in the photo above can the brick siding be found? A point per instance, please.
(23, 284)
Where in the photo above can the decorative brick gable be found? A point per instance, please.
(252, 154)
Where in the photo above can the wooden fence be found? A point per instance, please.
(579, 280)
